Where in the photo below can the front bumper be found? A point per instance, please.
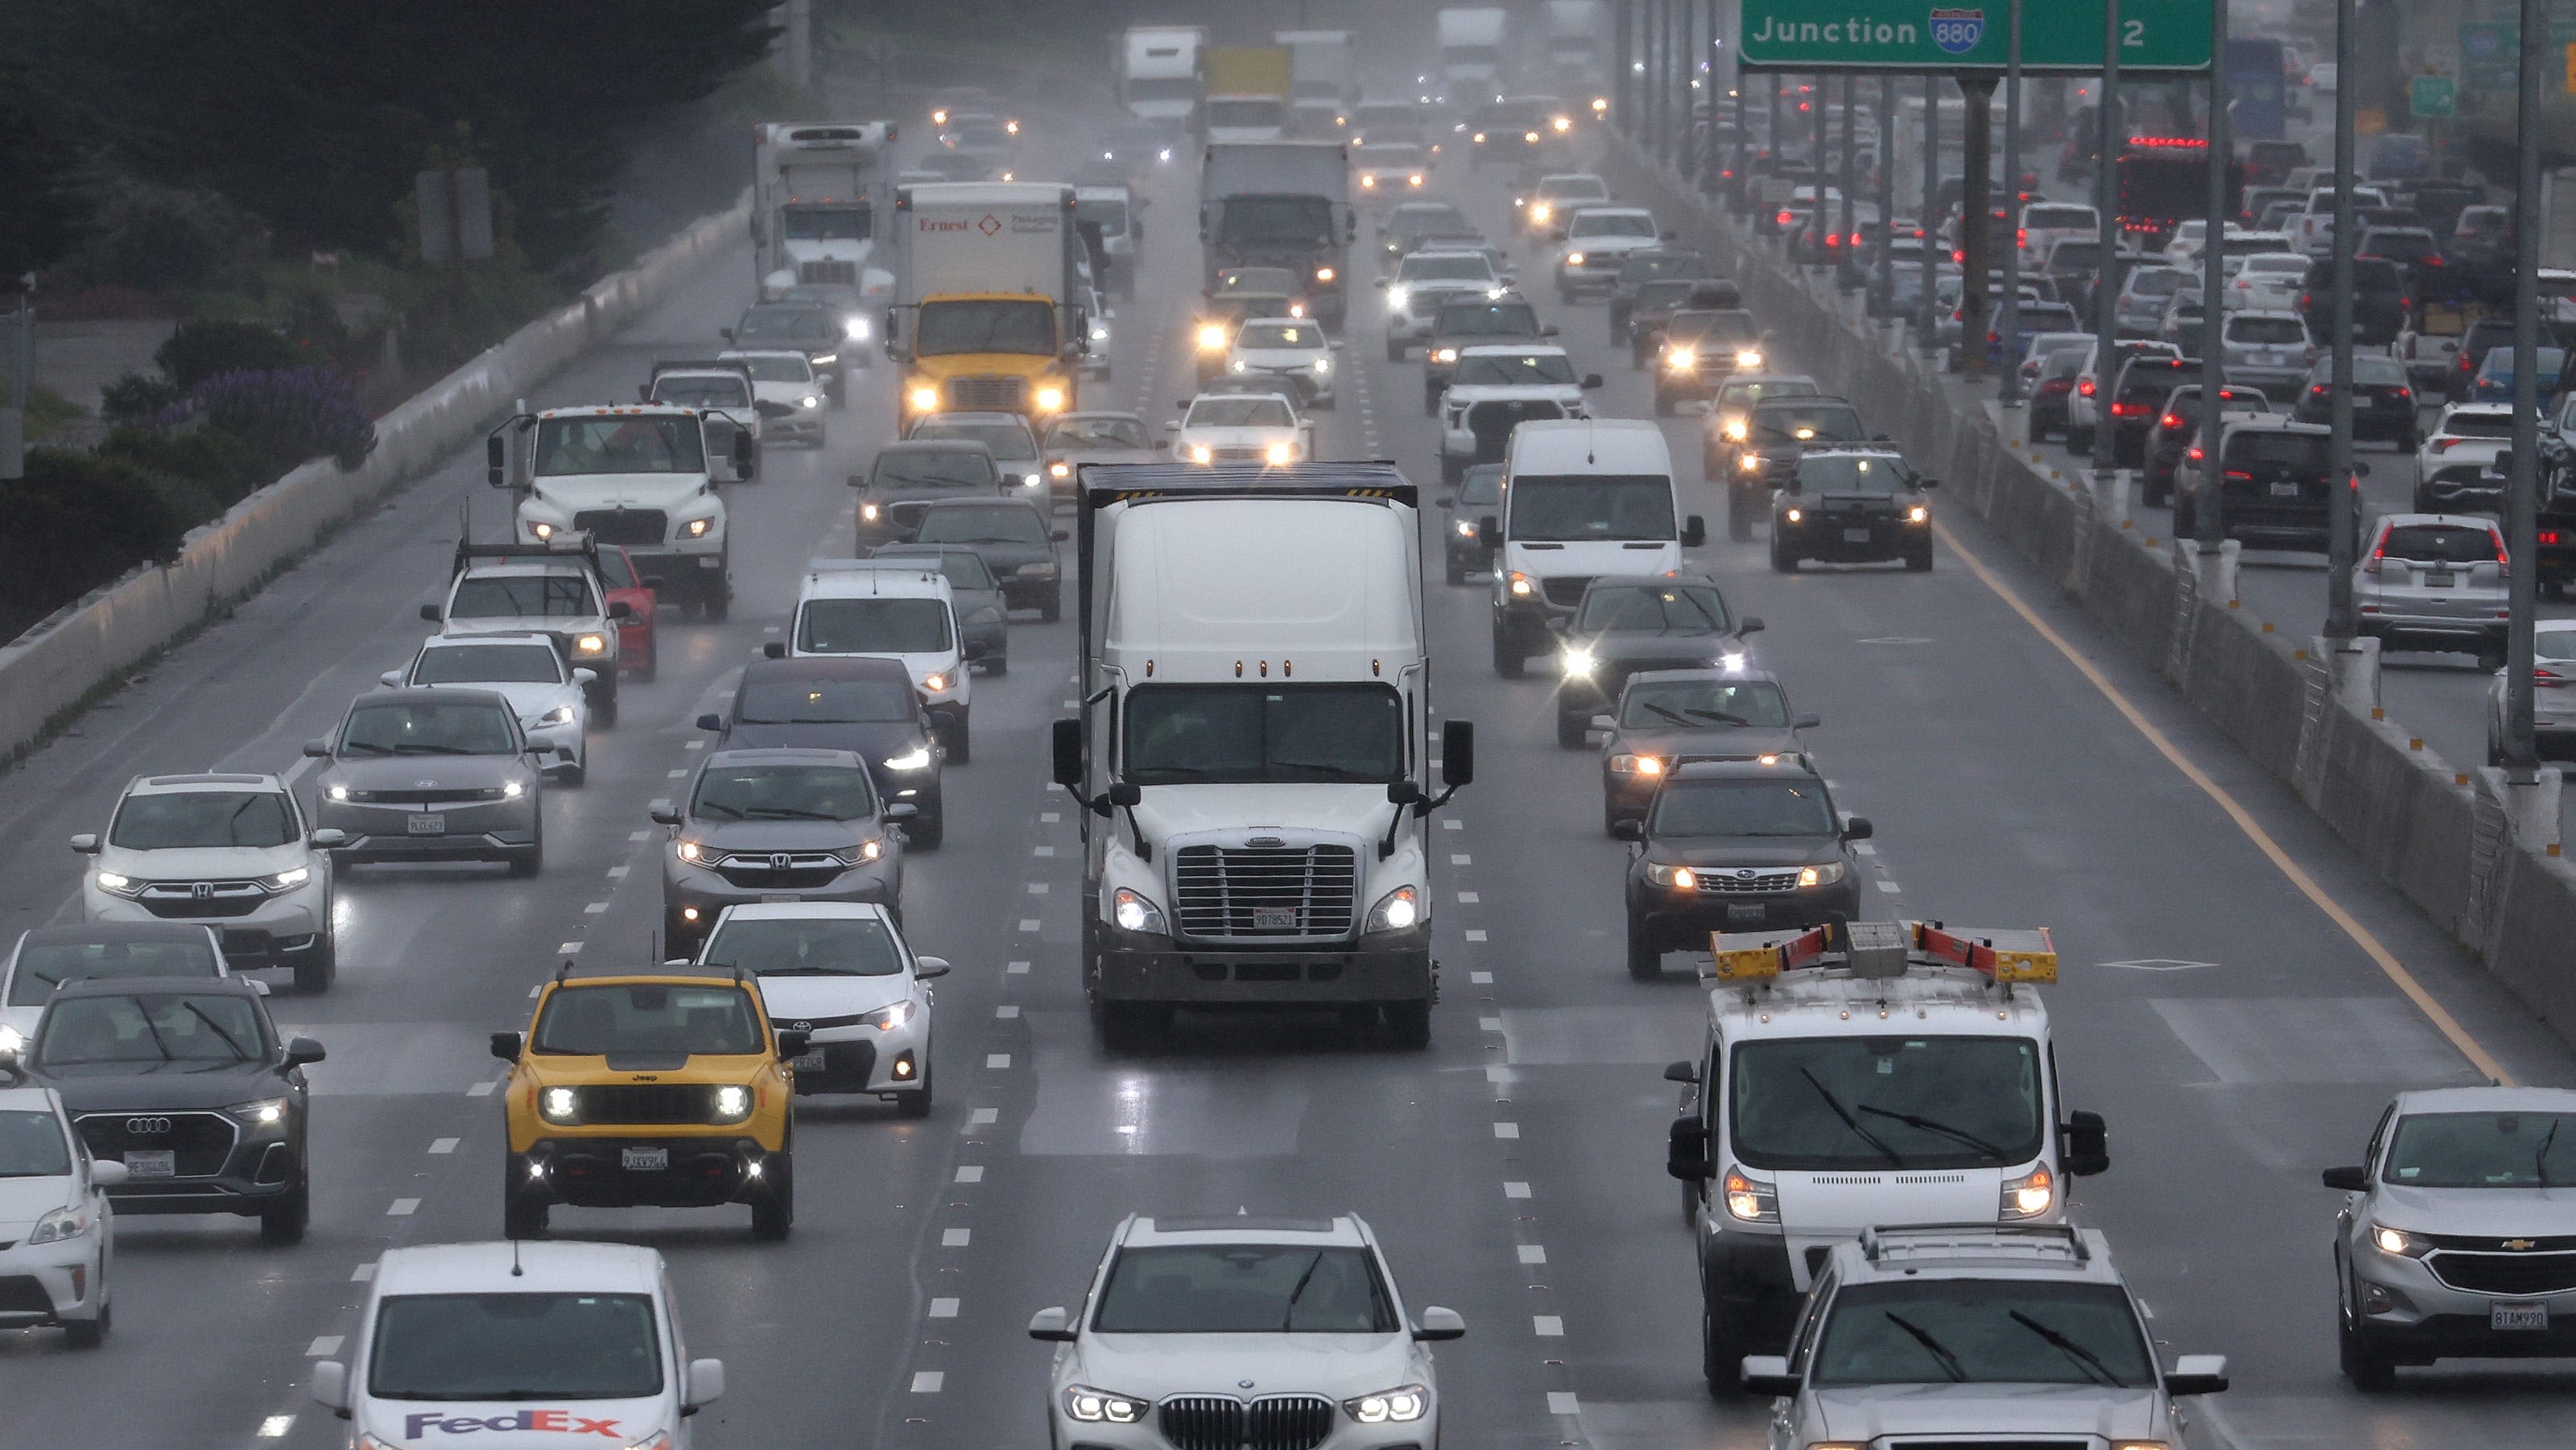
(1393, 966)
(1422, 1434)
(803, 425)
(474, 831)
(277, 933)
(51, 1283)
(591, 1172)
(1829, 537)
(2406, 1309)
(866, 1060)
(693, 895)
(259, 1168)
(1677, 921)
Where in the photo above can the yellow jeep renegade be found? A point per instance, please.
(662, 1089)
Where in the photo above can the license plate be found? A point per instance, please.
(810, 1062)
(164, 1163)
(428, 825)
(1744, 911)
(1855, 536)
(2517, 1316)
(2285, 490)
(1274, 918)
(2443, 580)
(646, 1160)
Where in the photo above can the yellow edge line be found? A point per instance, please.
(2386, 960)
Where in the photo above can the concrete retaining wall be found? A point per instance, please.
(2434, 832)
(54, 666)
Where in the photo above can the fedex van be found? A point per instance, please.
(1582, 497)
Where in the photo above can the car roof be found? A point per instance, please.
(2058, 1252)
(783, 755)
(1283, 321)
(224, 986)
(498, 636)
(216, 780)
(2486, 1100)
(80, 933)
(2274, 423)
(968, 415)
(855, 579)
(935, 445)
(570, 565)
(1509, 349)
(2427, 520)
(827, 667)
(522, 1267)
(1243, 1228)
(1089, 414)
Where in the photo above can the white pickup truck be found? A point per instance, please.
(641, 476)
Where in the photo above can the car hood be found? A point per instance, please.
(1238, 437)
(873, 739)
(213, 863)
(512, 1424)
(622, 490)
(555, 624)
(1150, 1366)
(407, 772)
(1172, 811)
(159, 1086)
(527, 701)
(1865, 1412)
(883, 493)
(1721, 852)
(2477, 1212)
(794, 999)
(1717, 740)
(25, 1200)
(1624, 645)
(754, 836)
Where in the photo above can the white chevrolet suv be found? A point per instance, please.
(1243, 1330)
(232, 851)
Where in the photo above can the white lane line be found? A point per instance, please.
(534, 989)
(639, 835)
(773, 629)
(1049, 818)
(970, 1173)
(1007, 1010)
(323, 1346)
(597, 907)
(1453, 824)
(1547, 1326)
(568, 948)
(1044, 851)
(1462, 859)
(1475, 934)
(1507, 1130)
(1017, 969)
(276, 1426)
(997, 1060)
(1863, 848)
(701, 745)
(1481, 979)
(1030, 923)
(1077, 704)
(364, 1273)
(442, 1145)
(1466, 898)
(1533, 1253)
(484, 1089)
(1489, 1024)
(675, 775)
(1039, 888)
(983, 1117)
(403, 1208)
(927, 1382)
(618, 873)
(1563, 1402)
(1516, 1190)
(1890, 887)
(955, 1238)
(943, 1308)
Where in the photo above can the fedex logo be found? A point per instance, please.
(561, 1422)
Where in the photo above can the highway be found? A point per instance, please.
(2237, 1038)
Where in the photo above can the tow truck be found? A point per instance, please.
(1858, 1075)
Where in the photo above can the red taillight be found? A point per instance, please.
(2406, 392)
(1956, 255)
(1783, 219)
(2465, 365)
(2316, 390)
(2021, 236)
(2170, 420)
(2549, 537)
(2084, 386)
(2246, 477)
(2304, 300)
(1833, 239)
(2128, 410)
(2445, 445)
(2194, 455)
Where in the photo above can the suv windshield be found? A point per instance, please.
(423, 727)
(1591, 506)
(150, 1027)
(1079, 433)
(1801, 421)
(991, 524)
(1982, 1331)
(619, 444)
(41, 968)
(1839, 1104)
(2483, 1150)
(594, 1019)
(1515, 370)
(1488, 319)
(1421, 268)
(1010, 439)
(520, 596)
(1743, 808)
(1244, 1289)
(900, 467)
(32, 1145)
(182, 820)
(515, 1347)
(885, 626)
(477, 664)
(1848, 474)
(1176, 733)
(1661, 608)
(2442, 544)
(783, 793)
(778, 367)
(1609, 224)
(1698, 704)
(826, 702)
(805, 946)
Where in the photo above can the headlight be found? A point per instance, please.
(1737, 430)
(1050, 399)
(11, 1039)
(733, 1103)
(986, 615)
(1748, 358)
(1093, 1407)
(542, 531)
(1480, 138)
(337, 792)
(1748, 1199)
(597, 644)
(1636, 765)
(1750, 463)
(1681, 359)
(1577, 662)
(512, 790)
(1397, 296)
(1280, 455)
(1520, 585)
(288, 880)
(809, 402)
(2398, 1242)
(935, 681)
(1541, 212)
(1918, 514)
(1410, 1402)
(856, 329)
(863, 853)
(917, 758)
(1446, 355)
(559, 715)
(1042, 569)
(559, 1105)
(1201, 453)
(1368, 181)
(1731, 662)
(1414, 180)
(887, 1019)
(1398, 910)
(2029, 1196)
(1134, 912)
(1325, 274)
(688, 850)
(923, 400)
(1574, 259)
(1235, 366)
(1211, 337)
(1099, 334)
(1323, 367)
(110, 881)
(698, 527)
(1060, 469)
(265, 1113)
(1530, 137)
(869, 512)
(1797, 515)
(1561, 123)
(60, 1225)
(1465, 529)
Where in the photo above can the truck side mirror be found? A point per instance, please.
(1858, 828)
(620, 609)
(1686, 1150)
(1457, 753)
(1767, 1374)
(2085, 1148)
(711, 722)
(1694, 532)
(1125, 793)
(1682, 1071)
(330, 1383)
(496, 461)
(1065, 752)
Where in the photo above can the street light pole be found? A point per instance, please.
(2340, 521)
(1882, 287)
(2010, 393)
(1926, 328)
(2108, 141)
(2522, 490)
(1743, 115)
(2210, 528)
(1847, 260)
(1623, 85)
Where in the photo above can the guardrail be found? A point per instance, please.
(66, 658)
(2443, 836)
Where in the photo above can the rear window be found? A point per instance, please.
(2266, 331)
(2369, 274)
(2441, 544)
(2477, 425)
(2278, 452)
(2057, 217)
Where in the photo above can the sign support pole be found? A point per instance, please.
(1882, 287)
(1976, 230)
(1926, 329)
(2110, 137)
(2210, 528)
(2522, 487)
(2010, 394)
(2340, 496)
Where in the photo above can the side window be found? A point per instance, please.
(2378, 1138)
(1802, 1334)
(1711, 1093)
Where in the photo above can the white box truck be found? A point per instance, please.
(985, 314)
(1471, 52)
(1280, 204)
(814, 202)
(1578, 41)
(1158, 71)
(1325, 79)
(1253, 757)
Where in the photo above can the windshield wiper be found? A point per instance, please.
(2540, 1155)
(232, 823)
(2085, 1359)
(1721, 717)
(368, 746)
(164, 1047)
(1678, 717)
(415, 747)
(1928, 1125)
(789, 813)
(1940, 1352)
(200, 1014)
(1326, 767)
(1844, 1113)
(716, 807)
(1290, 1316)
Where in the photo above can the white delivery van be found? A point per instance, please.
(1582, 497)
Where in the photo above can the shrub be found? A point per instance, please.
(196, 351)
(226, 465)
(134, 398)
(288, 414)
(77, 521)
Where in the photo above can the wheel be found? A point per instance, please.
(89, 1333)
(718, 605)
(1919, 561)
(2157, 494)
(575, 773)
(999, 664)
(1645, 959)
(2491, 655)
(603, 711)
(283, 1222)
(959, 748)
(916, 1103)
(1721, 1351)
(1739, 514)
(1410, 1022)
(1394, 350)
(774, 1213)
(2372, 1370)
(1509, 661)
(1636, 355)
(1782, 560)
(319, 964)
(1053, 609)
(530, 861)
(924, 832)
(2186, 515)
(1457, 572)
(1570, 730)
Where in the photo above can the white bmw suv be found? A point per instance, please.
(1242, 1330)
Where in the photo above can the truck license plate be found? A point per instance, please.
(1274, 918)
(2443, 579)
(428, 825)
(646, 1160)
(2518, 1316)
(2285, 490)
(810, 1062)
(1744, 911)
(1855, 536)
(164, 1163)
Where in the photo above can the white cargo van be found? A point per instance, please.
(860, 607)
(1582, 497)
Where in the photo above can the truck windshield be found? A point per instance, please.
(1300, 221)
(614, 444)
(986, 326)
(826, 223)
(1982, 1331)
(1590, 506)
(883, 626)
(1515, 370)
(1841, 1104)
(515, 1347)
(1177, 734)
(1247, 113)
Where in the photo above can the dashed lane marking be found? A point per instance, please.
(1466, 898)
(997, 1060)
(1037, 888)
(970, 1173)
(483, 1089)
(1007, 1010)
(955, 1238)
(1017, 969)
(568, 948)
(943, 1308)
(442, 1145)
(1461, 858)
(1547, 1326)
(618, 873)
(639, 835)
(1475, 934)
(983, 1117)
(1030, 923)
(927, 1382)
(1863, 848)
(276, 1426)
(1507, 1130)
(693, 745)
(364, 1273)
(1453, 824)
(1563, 1402)
(1489, 1024)
(1516, 1190)
(1481, 979)
(403, 1208)
(1049, 818)
(1043, 851)
(594, 908)
(1890, 887)
(1533, 1253)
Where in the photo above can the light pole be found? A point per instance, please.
(2209, 527)
(1847, 258)
(1708, 167)
(1743, 115)
(1926, 328)
(2339, 493)
(1882, 285)
(2010, 393)
(2107, 145)
(2522, 489)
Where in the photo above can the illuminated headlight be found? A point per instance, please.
(61, 1225)
(1368, 181)
(1737, 430)
(1201, 453)
(1732, 661)
(1411, 1402)
(1465, 529)
(110, 881)
(688, 850)
(935, 681)
(887, 1019)
(1748, 357)
(1414, 180)
(1163, 155)
(1296, 309)
(1529, 138)
(337, 792)
(1281, 454)
(1059, 469)
(1445, 355)
(1034, 480)
(1398, 910)
(856, 329)
(1918, 514)
(1050, 399)
(1679, 878)
(597, 644)
(1237, 366)
(1042, 569)
(1681, 359)
(2398, 1241)
(1577, 662)
(559, 715)
(923, 400)
(264, 1113)
(1211, 337)
(1825, 875)
(542, 531)
(865, 852)
(1561, 124)
(1325, 274)
(288, 880)
(1797, 515)
(1094, 1407)
(1397, 296)
(2029, 1196)
(1750, 463)
(1520, 585)
(917, 758)
(1574, 259)
(512, 790)
(1100, 334)
(1135, 912)
(559, 1105)
(869, 512)
(809, 402)
(698, 528)
(1323, 367)
(1541, 212)
(1636, 765)
(1748, 1199)
(733, 1103)
(11, 1039)
(1480, 138)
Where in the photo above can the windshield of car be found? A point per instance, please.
(1698, 704)
(1609, 224)
(2440, 544)
(1209, 411)
(1244, 1289)
(1661, 608)
(1482, 484)
(2499, 362)
(992, 524)
(1665, 292)
(1981, 1331)
(2074, 256)
(1009, 438)
(150, 1027)
(42, 966)
(1798, 421)
(2267, 331)
(1190, 733)
(1304, 335)
(477, 664)
(514, 596)
(702, 392)
(784, 324)
(989, 325)
(1451, 268)
(1590, 506)
(32, 1145)
(962, 568)
(1072, 434)
(780, 792)
(2554, 644)
(805, 946)
(932, 468)
(772, 367)
(2282, 264)
(422, 727)
(1849, 474)
(1721, 328)
(1515, 370)
(525, 1346)
(1743, 807)
(1846, 1104)
(614, 444)
(898, 625)
(183, 820)
(2368, 371)
(1489, 319)
(826, 702)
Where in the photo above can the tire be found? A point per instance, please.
(530, 861)
(314, 973)
(2079, 440)
(2186, 516)
(1645, 959)
(89, 1333)
(1782, 561)
(2491, 656)
(522, 1216)
(1570, 730)
(1395, 351)
(283, 1221)
(1721, 1354)
(999, 664)
(774, 1213)
(926, 831)
(2372, 1370)
(1509, 661)
(1053, 609)
(1411, 1024)
(960, 748)
(1919, 561)
(603, 711)
(916, 1103)
(652, 665)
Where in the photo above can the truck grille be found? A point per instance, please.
(1237, 455)
(2509, 1273)
(1006, 395)
(843, 274)
(647, 1102)
(1266, 891)
(197, 1142)
(1221, 1422)
(635, 528)
(1739, 882)
(194, 900)
(1567, 591)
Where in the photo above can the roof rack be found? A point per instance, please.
(696, 364)
(2061, 1242)
(1879, 949)
(570, 544)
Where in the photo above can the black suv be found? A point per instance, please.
(1666, 719)
(907, 476)
(1658, 300)
(2169, 443)
(1777, 433)
(1702, 347)
(2383, 400)
(1644, 265)
(2276, 492)
(186, 1082)
(2138, 400)
(1631, 622)
(1463, 324)
(1852, 506)
(2379, 301)
(1736, 845)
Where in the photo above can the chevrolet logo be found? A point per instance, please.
(2518, 1245)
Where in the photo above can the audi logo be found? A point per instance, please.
(146, 1127)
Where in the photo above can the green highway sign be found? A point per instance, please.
(2059, 37)
(2489, 53)
(2429, 96)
